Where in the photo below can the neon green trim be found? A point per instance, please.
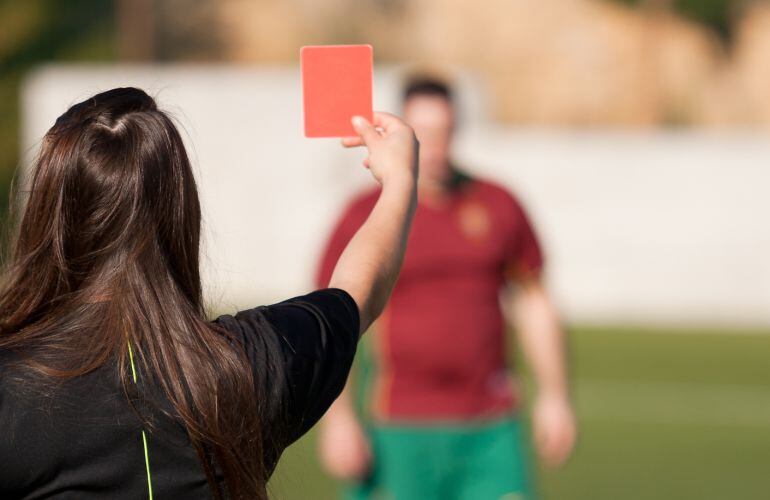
(131, 359)
(144, 435)
(147, 464)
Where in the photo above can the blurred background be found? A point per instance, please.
(637, 132)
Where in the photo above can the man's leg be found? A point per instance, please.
(409, 463)
(495, 465)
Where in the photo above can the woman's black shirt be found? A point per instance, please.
(83, 440)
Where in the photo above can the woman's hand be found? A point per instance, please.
(392, 146)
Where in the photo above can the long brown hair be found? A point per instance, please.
(106, 254)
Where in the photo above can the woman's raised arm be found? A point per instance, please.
(368, 267)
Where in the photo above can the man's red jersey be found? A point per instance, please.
(440, 347)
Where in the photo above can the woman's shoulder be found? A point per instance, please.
(306, 346)
(325, 304)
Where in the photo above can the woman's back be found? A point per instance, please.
(83, 439)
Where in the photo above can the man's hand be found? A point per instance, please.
(343, 446)
(554, 428)
(542, 341)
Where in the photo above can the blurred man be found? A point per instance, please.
(441, 421)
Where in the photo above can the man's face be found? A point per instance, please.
(432, 119)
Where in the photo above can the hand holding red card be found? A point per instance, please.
(392, 145)
(336, 85)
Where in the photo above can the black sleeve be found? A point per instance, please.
(301, 351)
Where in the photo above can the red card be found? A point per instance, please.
(336, 85)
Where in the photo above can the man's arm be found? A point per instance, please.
(343, 446)
(542, 341)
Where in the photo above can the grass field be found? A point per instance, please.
(663, 416)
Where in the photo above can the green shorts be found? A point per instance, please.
(485, 461)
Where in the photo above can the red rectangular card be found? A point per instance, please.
(336, 85)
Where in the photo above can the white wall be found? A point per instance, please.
(647, 227)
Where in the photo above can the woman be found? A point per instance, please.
(112, 382)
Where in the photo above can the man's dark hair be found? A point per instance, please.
(426, 86)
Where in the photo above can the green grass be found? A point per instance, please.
(662, 416)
